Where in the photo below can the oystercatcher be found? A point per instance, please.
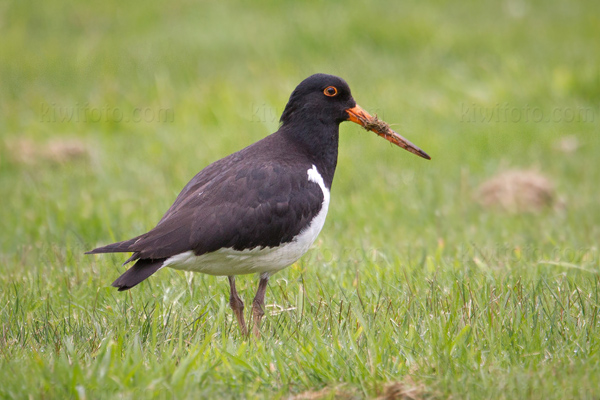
(260, 209)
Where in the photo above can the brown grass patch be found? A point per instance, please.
(406, 390)
(58, 151)
(517, 191)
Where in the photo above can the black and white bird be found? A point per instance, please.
(260, 209)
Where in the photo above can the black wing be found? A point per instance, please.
(240, 208)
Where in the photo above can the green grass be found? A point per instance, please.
(411, 281)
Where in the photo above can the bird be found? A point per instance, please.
(258, 210)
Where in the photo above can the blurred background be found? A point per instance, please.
(107, 109)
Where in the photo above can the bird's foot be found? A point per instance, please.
(257, 315)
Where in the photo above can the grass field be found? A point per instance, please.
(413, 289)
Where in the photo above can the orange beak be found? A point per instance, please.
(358, 115)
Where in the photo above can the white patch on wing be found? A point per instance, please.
(260, 259)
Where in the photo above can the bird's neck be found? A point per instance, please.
(319, 142)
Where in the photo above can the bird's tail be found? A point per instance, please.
(141, 270)
(120, 247)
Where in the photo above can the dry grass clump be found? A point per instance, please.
(517, 191)
(312, 395)
(406, 390)
(58, 151)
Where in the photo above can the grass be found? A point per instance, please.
(412, 286)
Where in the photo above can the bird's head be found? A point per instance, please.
(327, 98)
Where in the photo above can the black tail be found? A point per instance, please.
(120, 247)
(141, 270)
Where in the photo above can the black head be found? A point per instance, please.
(320, 97)
(326, 100)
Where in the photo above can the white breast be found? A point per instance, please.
(228, 261)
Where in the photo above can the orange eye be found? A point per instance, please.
(330, 91)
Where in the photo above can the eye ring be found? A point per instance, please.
(330, 91)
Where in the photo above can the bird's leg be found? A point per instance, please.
(258, 304)
(237, 305)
